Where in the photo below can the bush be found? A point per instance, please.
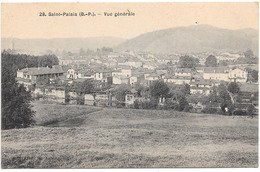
(210, 110)
(187, 108)
(136, 104)
(240, 113)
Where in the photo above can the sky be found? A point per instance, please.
(22, 20)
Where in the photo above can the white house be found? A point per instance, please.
(201, 86)
(238, 75)
(120, 80)
(183, 72)
(102, 75)
(216, 73)
(179, 80)
(130, 97)
(70, 74)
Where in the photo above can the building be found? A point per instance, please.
(130, 97)
(183, 72)
(201, 86)
(216, 73)
(179, 80)
(120, 80)
(238, 75)
(102, 75)
(84, 74)
(32, 76)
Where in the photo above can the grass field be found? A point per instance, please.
(75, 136)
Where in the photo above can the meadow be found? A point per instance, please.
(76, 136)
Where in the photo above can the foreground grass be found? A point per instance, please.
(88, 137)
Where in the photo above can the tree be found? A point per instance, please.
(87, 87)
(16, 108)
(159, 89)
(187, 62)
(211, 61)
(231, 107)
(82, 52)
(250, 110)
(120, 92)
(254, 75)
(223, 96)
(182, 103)
(249, 54)
(233, 88)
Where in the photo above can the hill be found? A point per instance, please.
(194, 39)
(35, 46)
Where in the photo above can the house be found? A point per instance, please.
(123, 71)
(150, 65)
(70, 74)
(216, 73)
(183, 72)
(50, 94)
(31, 76)
(201, 86)
(85, 74)
(130, 97)
(179, 80)
(102, 75)
(120, 80)
(55, 94)
(89, 99)
(238, 75)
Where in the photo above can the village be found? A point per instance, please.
(98, 81)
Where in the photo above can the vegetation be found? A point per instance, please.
(211, 61)
(120, 138)
(16, 108)
(188, 62)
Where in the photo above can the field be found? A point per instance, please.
(75, 136)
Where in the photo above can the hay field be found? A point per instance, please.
(75, 136)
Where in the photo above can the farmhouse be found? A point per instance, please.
(216, 73)
(102, 75)
(130, 97)
(201, 86)
(31, 76)
(178, 80)
(238, 75)
(183, 72)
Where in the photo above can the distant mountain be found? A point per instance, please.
(193, 39)
(36, 46)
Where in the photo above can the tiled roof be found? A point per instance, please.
(202, 82)
(249, 88)
(177, 77)
(215, 70)
(199, 88)
(184, 70)
(43, 70)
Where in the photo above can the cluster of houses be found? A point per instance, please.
(131, 71)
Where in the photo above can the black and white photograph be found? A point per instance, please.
(89, 85)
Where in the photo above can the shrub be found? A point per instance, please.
(240, 112)
(210, 110)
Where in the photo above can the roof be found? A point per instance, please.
(23, 79)
(199, 88)
(249, 87)
(216, 70)
(132, 91)
(42, 70)
(202, 82)
(184, 70)
(177, 77)
(154, 75)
